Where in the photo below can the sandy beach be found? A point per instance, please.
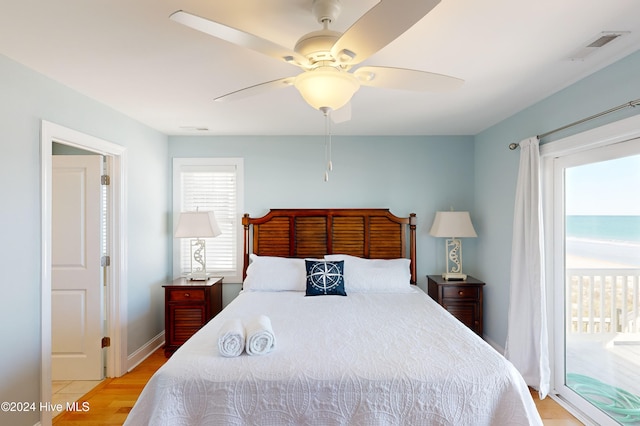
(597, 254)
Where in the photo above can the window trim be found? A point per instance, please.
(178, 165)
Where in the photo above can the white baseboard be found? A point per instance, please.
(494, 345)
(143, 353)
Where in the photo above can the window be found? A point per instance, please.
(211, 184)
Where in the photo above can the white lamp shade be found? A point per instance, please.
(327, 87)
(452, 225)
(197, 225)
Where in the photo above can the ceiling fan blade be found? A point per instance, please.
(342, 114)
(406, 79)
(385, 22)
(238, 37)
(256, 89)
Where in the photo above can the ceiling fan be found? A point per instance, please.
(327, 57)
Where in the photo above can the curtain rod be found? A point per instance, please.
(632, 104)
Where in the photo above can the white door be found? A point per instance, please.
(76, 308)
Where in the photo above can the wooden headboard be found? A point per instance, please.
(367, 233)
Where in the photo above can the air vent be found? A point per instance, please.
(601, 40)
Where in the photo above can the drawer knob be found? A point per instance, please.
(460, 293)
(187, 295)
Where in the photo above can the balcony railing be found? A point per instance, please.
(603, 301)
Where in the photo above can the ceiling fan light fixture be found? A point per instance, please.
(327, 56)
(327, 87)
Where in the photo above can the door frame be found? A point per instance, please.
(606, 135)
(116, 294)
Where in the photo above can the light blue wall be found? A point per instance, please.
(25, 99)
(496, 170)
(405, 174)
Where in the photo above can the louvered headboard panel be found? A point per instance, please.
(368, 233)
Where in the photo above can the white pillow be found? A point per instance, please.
(374, 275)
(267, 273)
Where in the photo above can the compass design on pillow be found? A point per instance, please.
(325, 277)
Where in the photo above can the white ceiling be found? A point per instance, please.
(129, 55)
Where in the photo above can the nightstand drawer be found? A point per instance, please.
(186, 294)
(460, 292)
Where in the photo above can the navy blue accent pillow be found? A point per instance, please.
(325, 277)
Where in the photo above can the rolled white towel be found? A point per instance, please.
(231, 338)
(260, 337)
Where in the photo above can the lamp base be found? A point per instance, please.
(198, 276)
(453, 276)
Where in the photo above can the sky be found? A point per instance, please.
(606, 188)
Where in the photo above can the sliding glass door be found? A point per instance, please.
(596, 270)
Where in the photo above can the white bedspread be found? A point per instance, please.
(363, 359)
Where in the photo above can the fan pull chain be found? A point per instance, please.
(327, 143)
(329, 163)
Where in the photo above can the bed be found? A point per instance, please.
(384, 354)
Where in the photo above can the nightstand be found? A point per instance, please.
(463, 299)
(188, 305)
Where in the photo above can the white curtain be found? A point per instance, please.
(527, 345)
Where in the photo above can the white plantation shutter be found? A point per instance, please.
(211, 185)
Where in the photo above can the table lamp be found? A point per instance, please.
(197, 225)
(453, 225)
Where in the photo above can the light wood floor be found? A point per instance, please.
(552, 413)
(111, 401)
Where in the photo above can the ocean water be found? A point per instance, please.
(604, 240)
(604, 228)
